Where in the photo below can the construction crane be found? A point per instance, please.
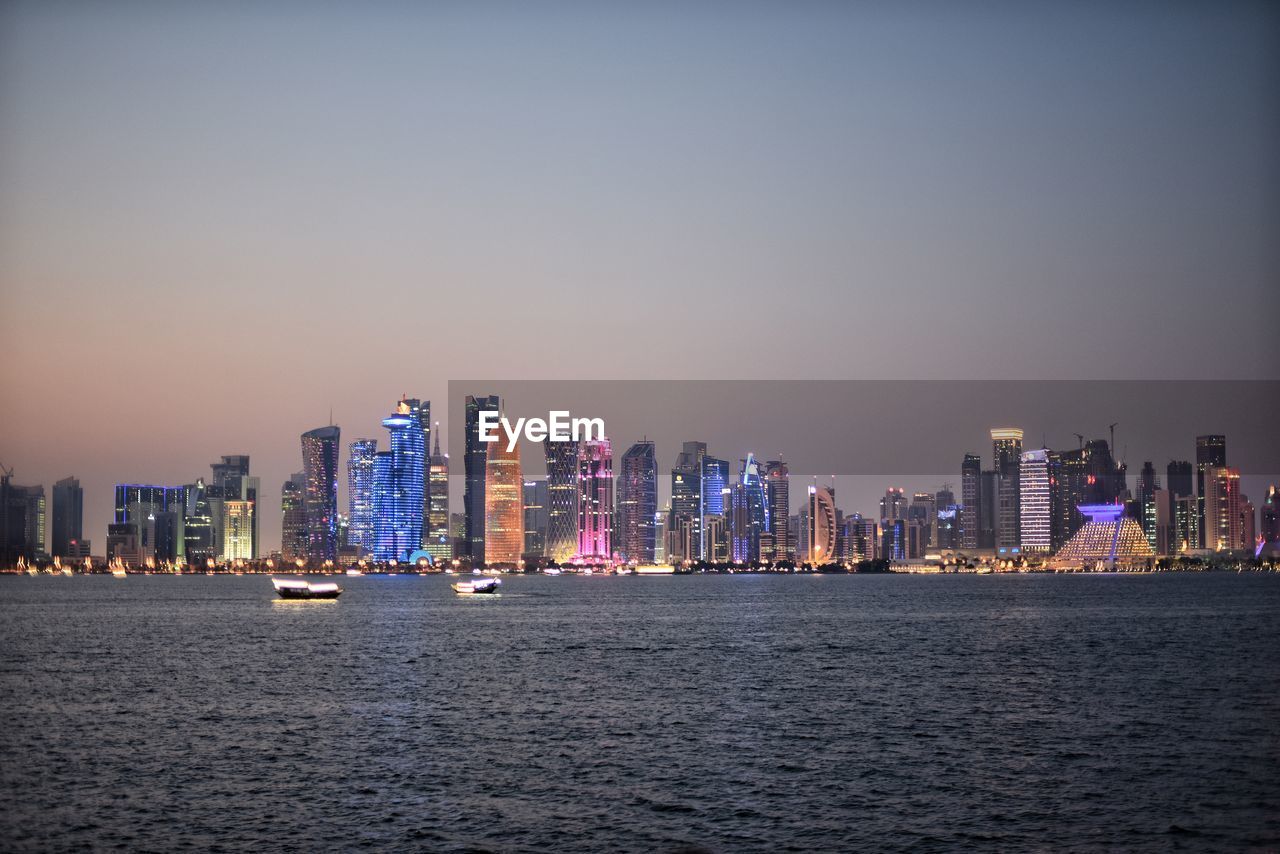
(1113, 437)
(1080, 439)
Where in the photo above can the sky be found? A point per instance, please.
(220, 222)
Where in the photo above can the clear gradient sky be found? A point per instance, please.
(218, 220)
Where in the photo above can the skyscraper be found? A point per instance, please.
(68, 516)
(475, 464)
(1179, 478)
(562, 499)
(1148, 483)
(320, 469)
(166, 506)
(232, 482)
(595, 500)
(748, 513)
(360, 481)
(237, 542)
(1269, 517)
(1223, 506)
(1035, 502)
(293, 525)
(535, 518)
(971, 501)
(1211, 452)
(199, 535)
(439, 542)
(420, 411)
(777, 479)
(397, 487)
(504, 506)
(638, 503)
(1087, 476)
(688, 494)
(893, 505)
(22, 521)
(1007, 449)
(822, 525)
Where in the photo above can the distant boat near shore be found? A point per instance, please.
(290, 589)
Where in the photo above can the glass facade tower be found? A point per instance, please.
(398, 487)
(638, 503)
(320, 497)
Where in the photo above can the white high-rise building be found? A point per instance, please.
(1035, 501)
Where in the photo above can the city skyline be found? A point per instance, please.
(1018, 519)
(916, 179)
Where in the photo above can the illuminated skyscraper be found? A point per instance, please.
(231, 481)
(687, 495)
(360, 464)
(1007, 450)
(971, 502)
(638, 503)
(420, 411)
(68, 516)
(397, 488)
(1211, 452)
(504, 505)
(860, 536)
(1035, 502)
(595, 500)
(237, 541)
(293, 525)
(748, 513)
(439, 542)
(777, 479)
(320, 468)
(562, 499)
(821, 525)
(1148, 483)
(1223, 506)
(475, 464)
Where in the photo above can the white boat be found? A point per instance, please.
(480, 585)
(551, 570)
(288, 588)
(354, 572)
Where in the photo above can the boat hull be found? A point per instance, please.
(463, 589)
(291, 593)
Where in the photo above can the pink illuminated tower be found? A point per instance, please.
(595, 500)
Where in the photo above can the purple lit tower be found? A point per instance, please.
(595, 500)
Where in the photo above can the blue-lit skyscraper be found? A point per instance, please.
(398, 487)
(360, 480)
(748, 512)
